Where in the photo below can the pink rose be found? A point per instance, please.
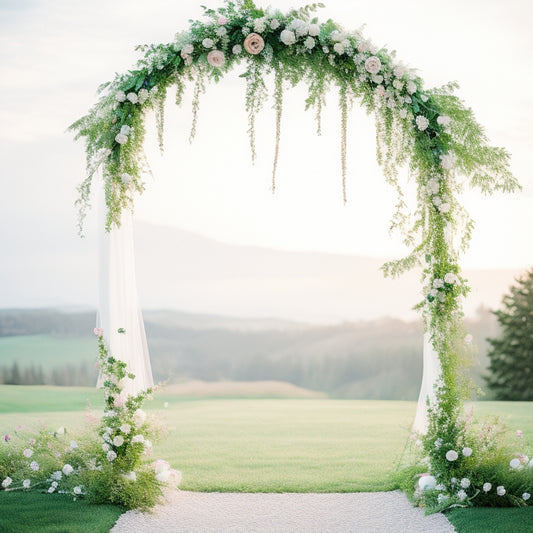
(98, 332)
(216, 58)
(254, 44)
(518, 432)
(222, 20)
(119, 401)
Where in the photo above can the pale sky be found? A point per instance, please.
(54, 54)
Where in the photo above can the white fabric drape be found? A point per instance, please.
(431, 374)
(119, 304)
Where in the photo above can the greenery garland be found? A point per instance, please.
(429, 130)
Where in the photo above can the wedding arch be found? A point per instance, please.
(428, 130)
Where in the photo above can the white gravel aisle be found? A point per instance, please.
(364, 512)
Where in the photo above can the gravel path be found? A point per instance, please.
(363, 512)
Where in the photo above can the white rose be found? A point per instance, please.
(76, 490)
(56, 476)
(309, 43)
(487, 487)
(125, 428)
(314, 30)
(422, 122)
(133, 98)
(139, 417)
(143, 95)
(338, 48)
(111, 456)
(500, 490)
(373, 65)
(67, 470)
(125, 129)
(34, 465)
(451, 455)
(137, 438)
(187, 49)
(121, 139)
(287, 37)
(26, 483)
(207, 43)
(447, 161)
(397, 84)
(451, 278)
(380, 90)
(118, 440)
(274, 24)
(526, 496)
(411, 87)
(120, 96)
(300, 27)
(514, 463)
(105, 447)
(237, 49)
(399, 71)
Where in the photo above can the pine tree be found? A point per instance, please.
(511, 354)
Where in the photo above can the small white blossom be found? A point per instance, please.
(451, 455)
(397, 84)
(338, 48)
(461, 495)
(465, 483)
(237, 49)
(111, 456)
(434, 293)
(437, 201)
(56, 476)
(27, 453)
(377, 78)
(399, 70)
(137, 438)
(34, 465)
(453, 481)
(439, 284)
(55, 484)
(207, 43)
(274, 24)
(221, 31)
(125, 428)
(314, 30)
(76, 490)
(500, 490)
(287, 37)
(403, 113)
(131, 476)
(445, 208)
(125, 177)
(51, 489)
(447, 161)
(125, 130)
(526, 496)
(139, 417)
(440, 487)
(187, 49)
(260, 25)
(73, 444)
(121, 139)
(143, 95)
(514, 463)
(441, 498)
(118, 440)
(26, 483)
(7, 481)
(451, 278)
(67, 470)
(444, 120)
(487, 487)
(423, 97)
(438, 443)
(325, 49)
(133, 98)
(120, 96)
(411, 87)
(422, 122)
(433, 186)
(309, 43)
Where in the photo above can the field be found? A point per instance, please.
(263, 445)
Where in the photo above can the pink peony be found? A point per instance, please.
(518, 432)
(222, 20)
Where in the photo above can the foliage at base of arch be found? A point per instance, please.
(428, 130)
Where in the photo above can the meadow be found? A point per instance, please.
(262, 445)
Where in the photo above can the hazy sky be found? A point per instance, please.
(53, 55)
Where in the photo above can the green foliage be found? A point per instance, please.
(511, 354)
(486, 520)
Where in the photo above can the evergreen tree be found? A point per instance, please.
(511, 354)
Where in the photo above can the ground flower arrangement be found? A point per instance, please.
(482, 466)
(111, 462)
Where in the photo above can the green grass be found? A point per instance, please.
(492, 520)
(48, 350)
(273, 445)
(53, 513)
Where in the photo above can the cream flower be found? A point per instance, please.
(260, 25)
(380, 90)
(515, 463)
(451, 278)
(187, 49)
(118, 440)
(26, 483)
(34, 465)
(314, 30)
(77, 490)
(373, 65)
(139, 417)
(137, 439)
(216, 58)
(403, 113)
(125, 129)
(67, 470)
(433, 186)
(27, 453)
(300, 27)
(411, 87)
(274, 24)
(422, 122)
(254, 43)
(120, 96)
(133, 98)
(287, 37)
(451, 455)
(500, 490)
(309, 43)
(237, 49)
(125, 428)
(111, 456)
(7, 481)
(121, 138)
(487, 487)
(207, 43)
(526, 496)
(444, 120)
(338, 48)
(445, 207)
(465, 483)
(447, 161)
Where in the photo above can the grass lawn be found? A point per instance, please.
(492, 520)
(272, 445)
(53, 513)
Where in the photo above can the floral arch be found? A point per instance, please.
(428, 130)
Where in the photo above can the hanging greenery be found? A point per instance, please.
(429, 130)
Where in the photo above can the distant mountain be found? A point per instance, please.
(177, 269)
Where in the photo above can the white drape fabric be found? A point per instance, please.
(430, 375)
(119, 304)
